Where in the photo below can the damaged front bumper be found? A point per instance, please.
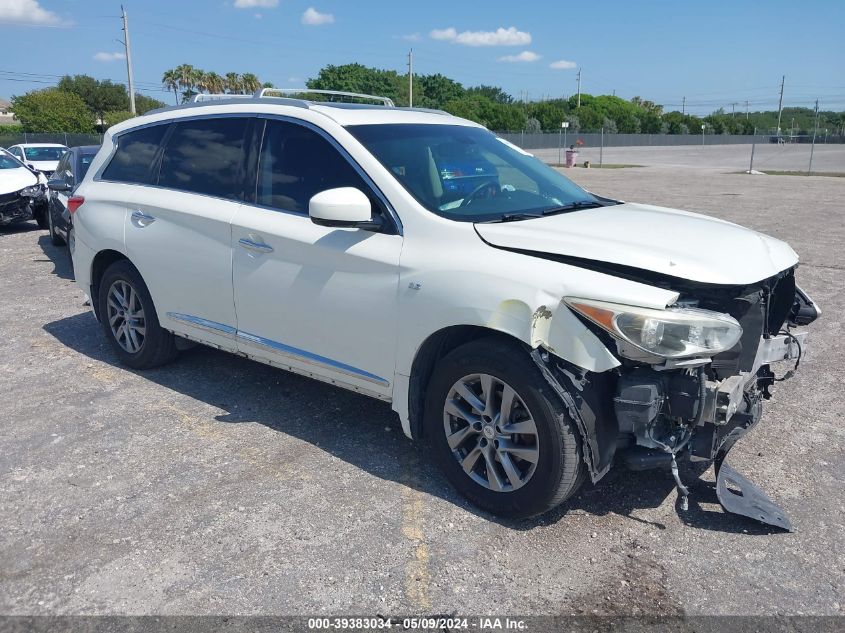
(699, 407)
(19, 206)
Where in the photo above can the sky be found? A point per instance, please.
(716, 54)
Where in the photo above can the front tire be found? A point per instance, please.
(55, 238)
(40, 215)
(498, 431)
(129, 319)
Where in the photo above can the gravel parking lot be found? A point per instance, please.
(218, 485)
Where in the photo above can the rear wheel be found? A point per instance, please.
(499, 433)
(129, 319)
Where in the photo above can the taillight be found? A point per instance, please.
(74, 202)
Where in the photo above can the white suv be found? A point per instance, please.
(531, 331)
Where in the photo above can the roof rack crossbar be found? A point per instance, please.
(268, 92)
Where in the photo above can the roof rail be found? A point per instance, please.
(267, 92)
(216, 97)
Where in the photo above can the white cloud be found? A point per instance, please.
(313, 17)
(412, 37)
(500, 37)
(26, 12)
(256, 4)
(109, 57)
(563, 64)
(524, 56)
(294, 80)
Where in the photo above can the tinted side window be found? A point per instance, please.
(206, 156)
(64, 165)
(84, 163)
(133, 159)
(296, 163)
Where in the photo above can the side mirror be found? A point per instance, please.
(59, 184)
(345, 207)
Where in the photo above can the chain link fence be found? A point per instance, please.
(548, 140)
(69, 139)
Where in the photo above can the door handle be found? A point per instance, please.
(141, 219)
(255, 247)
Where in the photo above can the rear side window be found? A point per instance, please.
(135, 154)
(206, 156)
(296, 163)
(84, 163)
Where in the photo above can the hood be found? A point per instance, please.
(667, 241)
(43, 165)
(12, 180)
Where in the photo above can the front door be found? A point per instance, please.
(316, 299)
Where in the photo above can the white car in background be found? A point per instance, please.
(532, 332)
(43, 157)
(23, 192)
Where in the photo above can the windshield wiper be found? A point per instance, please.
(512, 217)
(574, 206)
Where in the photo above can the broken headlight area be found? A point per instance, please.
(675, 332)
(693, 378)
(15, 207)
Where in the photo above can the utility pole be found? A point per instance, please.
(780, 103)
(746, 109)
(128, 50)
(579, 88)
(411, 78)
(684, 105)
(815, 131)
(733, 109)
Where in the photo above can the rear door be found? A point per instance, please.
(317, 299)
(178, 232)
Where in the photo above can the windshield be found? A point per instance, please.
(8, 162)
(468, 174)
(44, 153)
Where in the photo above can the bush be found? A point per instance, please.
(115, 117)
(52, 110)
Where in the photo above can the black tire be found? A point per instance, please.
(559, 469)
(40, 215)
(158, 346)
(55, 238)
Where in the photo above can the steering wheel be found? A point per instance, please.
(472, 195)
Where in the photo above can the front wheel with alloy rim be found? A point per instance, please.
(129, 319)
(499, 432)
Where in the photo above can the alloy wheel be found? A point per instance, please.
(126, 316)
(491, 432)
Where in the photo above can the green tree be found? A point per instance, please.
(99, 96)
(118, 116)
(358, 78)
(494, 93)
(52, 110)
(436, 90)
(143, 103)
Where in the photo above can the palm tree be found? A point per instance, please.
(170, 80)
(213, 83)
(233, 82)
(187, 77)
(250, 82)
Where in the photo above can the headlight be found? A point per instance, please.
(32, 191)
(669, 333)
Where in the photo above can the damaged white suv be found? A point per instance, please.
(532, 332)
